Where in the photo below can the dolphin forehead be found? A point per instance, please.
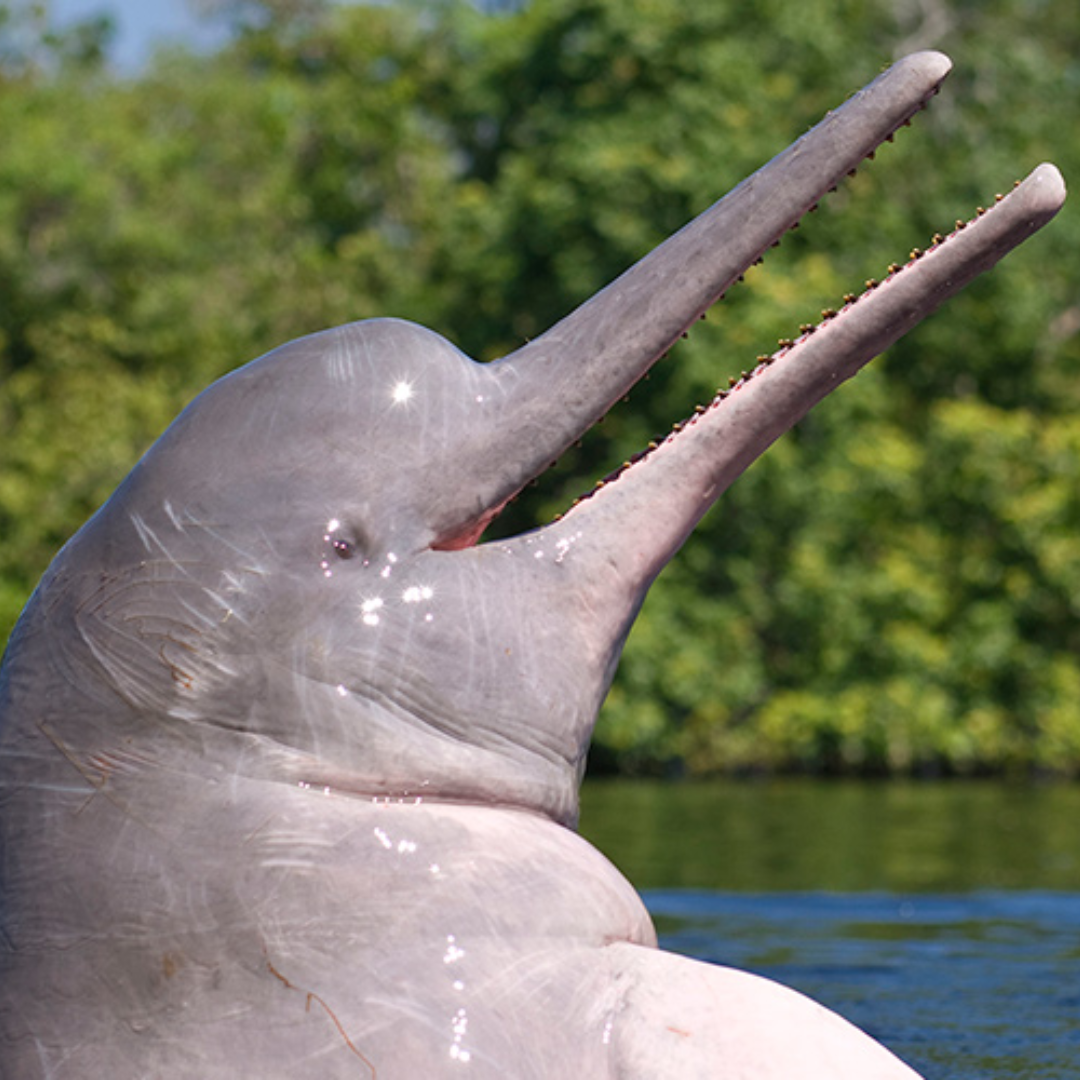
(298, 409)
(366, 423)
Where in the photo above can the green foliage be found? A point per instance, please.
(891, 589)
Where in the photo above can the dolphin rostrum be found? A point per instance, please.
(289, 762)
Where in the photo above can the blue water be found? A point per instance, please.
(983, 985)
(944, 919)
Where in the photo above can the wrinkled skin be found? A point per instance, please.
(289, 764)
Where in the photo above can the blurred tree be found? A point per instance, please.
(29, 43)
(246, 16)
(892, 588)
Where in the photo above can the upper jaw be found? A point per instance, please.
(543, 397)
(553, 389)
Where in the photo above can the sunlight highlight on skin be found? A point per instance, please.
(402, 392)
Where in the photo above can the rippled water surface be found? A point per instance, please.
(942, 918)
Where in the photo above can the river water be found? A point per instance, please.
(942, 918)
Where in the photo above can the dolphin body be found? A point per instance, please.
(289, 763)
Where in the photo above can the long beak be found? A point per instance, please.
(557, 386)
(659, 499)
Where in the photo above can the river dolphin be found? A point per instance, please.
(289, 762)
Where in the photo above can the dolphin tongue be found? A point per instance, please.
(557, 386)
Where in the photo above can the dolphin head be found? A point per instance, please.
(289, 584)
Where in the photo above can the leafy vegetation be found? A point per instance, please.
(893, 588)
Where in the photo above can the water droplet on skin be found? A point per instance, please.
(369, 610)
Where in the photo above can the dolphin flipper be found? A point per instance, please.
(687, 1019)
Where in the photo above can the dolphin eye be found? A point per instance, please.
(340, 543)
(343, 549)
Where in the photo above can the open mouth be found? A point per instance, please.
(866, 324)
(556, 387)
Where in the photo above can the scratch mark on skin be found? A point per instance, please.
(184, 679)
(177, 524)
(100, 782)
(310, 996)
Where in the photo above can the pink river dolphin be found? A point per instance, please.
(289, 760)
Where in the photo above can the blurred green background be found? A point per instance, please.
(892, 589)
(842, 835)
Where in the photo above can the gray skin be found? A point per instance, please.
(289, 763)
